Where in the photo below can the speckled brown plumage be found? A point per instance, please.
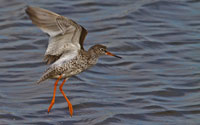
(83, 61)
(65, 51)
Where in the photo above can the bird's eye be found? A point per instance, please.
(101, 49)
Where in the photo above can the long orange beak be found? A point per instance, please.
(110, 54)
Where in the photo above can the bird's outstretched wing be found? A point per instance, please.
(66, 36)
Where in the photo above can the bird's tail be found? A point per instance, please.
(40, 80)
(45, 76)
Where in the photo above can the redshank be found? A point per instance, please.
(65, 50)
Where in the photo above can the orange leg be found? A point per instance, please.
(69, 104)
(54, 94)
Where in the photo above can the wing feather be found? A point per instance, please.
(66, 36)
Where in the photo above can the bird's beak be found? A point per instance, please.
(110, 54)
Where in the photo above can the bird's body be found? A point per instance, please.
(65, 51)
(69, 67)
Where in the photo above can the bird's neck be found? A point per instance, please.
(92, 53)
(93, 56)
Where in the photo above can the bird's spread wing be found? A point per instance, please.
(66, 36)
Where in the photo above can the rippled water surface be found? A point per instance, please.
(157, 82)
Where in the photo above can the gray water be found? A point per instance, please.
(156, 83)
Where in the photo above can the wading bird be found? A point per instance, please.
(65, 50)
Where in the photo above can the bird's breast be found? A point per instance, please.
(74, 66)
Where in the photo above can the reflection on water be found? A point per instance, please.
(156, 82)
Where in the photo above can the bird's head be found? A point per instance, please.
(101, 50)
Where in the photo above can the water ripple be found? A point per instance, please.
(155, 82)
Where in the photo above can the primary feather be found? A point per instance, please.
(66, 36)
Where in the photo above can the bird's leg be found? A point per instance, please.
(69, 104)
(54, 94)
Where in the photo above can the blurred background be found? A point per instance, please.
(157, 82)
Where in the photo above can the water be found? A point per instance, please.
(157, 82)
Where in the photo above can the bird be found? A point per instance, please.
(65, 54)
